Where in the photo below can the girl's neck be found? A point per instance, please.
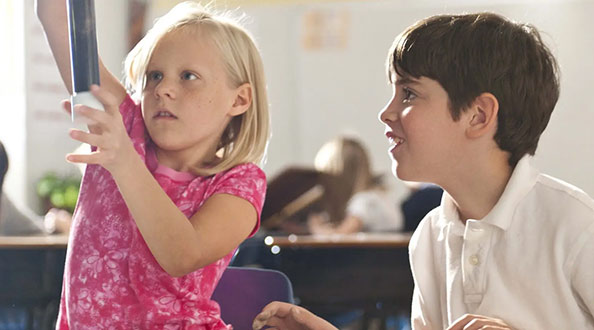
(480, 187)
(185, 160)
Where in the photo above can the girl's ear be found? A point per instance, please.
(243, 100)
(482, 115)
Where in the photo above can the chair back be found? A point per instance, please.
(242, 292)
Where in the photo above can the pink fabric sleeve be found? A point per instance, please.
(246, 181)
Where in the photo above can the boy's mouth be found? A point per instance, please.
(394, 139)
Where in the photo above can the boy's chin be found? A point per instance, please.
(398, 172)
(401, 173)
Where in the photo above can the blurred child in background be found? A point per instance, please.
(363, 203)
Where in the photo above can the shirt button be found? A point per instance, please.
(474, 260)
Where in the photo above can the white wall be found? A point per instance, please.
(12, 93)
(317, 94)
(33, 127)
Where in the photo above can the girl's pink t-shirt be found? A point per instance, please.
(111, 279)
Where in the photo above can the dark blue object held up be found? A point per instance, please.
(84, 60)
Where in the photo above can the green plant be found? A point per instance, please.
(59, 192)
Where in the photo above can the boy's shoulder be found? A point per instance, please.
(429, 226)
(552, 186)
(558, 206)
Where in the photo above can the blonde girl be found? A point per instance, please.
(171, 186)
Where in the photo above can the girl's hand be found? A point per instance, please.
(279, 315)
(474, 322)
(107, 134)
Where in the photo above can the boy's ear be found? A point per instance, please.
(482, 115)
(243, 100)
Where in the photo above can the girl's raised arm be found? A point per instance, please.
(54, 19)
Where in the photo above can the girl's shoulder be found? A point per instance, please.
(244, 170)
(246, 180)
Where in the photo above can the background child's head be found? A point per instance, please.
(3, 164)
(477, 53)
(347, 159)
(245, 137)
(347, 162)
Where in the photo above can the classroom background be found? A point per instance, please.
(324, 62)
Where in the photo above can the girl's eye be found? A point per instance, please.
(408, 94)
(189, 76)
(154, 75)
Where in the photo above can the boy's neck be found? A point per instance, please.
(476, 191)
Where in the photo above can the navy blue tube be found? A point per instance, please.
(83, 44)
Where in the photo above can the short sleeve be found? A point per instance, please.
(246, 181)
(359, 205)
(583, 272)
(375, 210)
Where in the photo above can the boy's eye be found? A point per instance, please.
(189, 76)
(408, 94)
(154, 75)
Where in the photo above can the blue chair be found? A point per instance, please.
(242, 292)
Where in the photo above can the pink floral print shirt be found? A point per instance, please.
(111, 279)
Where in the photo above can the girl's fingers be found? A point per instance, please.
(109, 101)
(97, 117)
(92, 158)
(88, 138)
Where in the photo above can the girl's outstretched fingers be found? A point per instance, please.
(109, 101)
(94, 140)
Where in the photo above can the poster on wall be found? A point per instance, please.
(325, 29)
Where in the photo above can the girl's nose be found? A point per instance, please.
(166, 89)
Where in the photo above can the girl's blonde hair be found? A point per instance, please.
(347, 161)
(246, 137)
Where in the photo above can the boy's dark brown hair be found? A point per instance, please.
(485, 52)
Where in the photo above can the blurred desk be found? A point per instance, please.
(338, 273)
(359, 240)
(33, 242)
(31, 270)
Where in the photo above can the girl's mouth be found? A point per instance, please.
(164, 115)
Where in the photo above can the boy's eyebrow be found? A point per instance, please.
(407, 80)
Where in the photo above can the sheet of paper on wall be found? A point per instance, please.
(325, 29)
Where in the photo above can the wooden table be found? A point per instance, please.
(359, 240)
(31, 270)
(332, 274)
(33, 242)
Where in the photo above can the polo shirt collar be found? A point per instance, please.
(522, 180)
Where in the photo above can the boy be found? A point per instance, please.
(509, 248)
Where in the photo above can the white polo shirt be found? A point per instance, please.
(529, 262)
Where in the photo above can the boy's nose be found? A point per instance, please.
(388, 114)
